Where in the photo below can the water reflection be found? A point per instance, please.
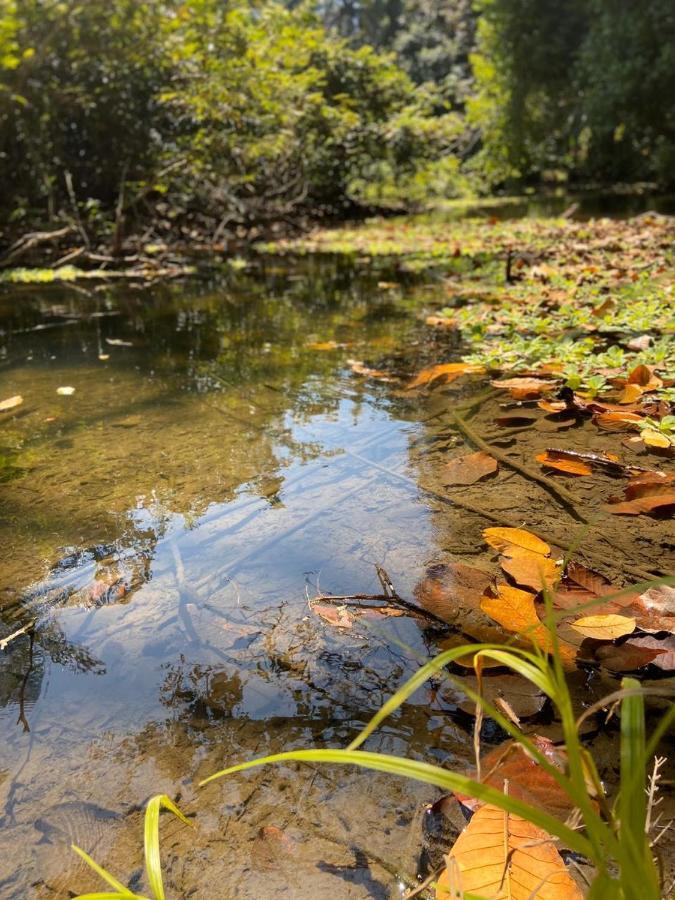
(164, 527)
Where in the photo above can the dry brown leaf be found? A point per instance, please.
(11, 403)
(569, 466)
(604, 628)
(530, 569)
(445, 371)
(470, 468)
(645, 483)
(663, 503)
(499, 855)
(664, 648)
(503, 538)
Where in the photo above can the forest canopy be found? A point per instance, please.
(201, 115)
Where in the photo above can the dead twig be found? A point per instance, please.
(415, 892)
(15, 634)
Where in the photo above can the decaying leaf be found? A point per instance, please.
(445, 371)
(662, 503)
(500, 855)
(625, 657)
(569, 466)
(469, 468)
(604, 628)
(527, 780)
(338, 616)
(11, 403)
(663, 647)
(451, 589)
(503, 538)
(530, 569)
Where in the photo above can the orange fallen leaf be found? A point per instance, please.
(569, 466)
(515, 611)
(451, 590)
(500, 855)
(470, 468)
(645, 377)
(643, 484)
(631, 393)
(447, 371)
(530, 569)
(441, 322)
(617, 421)
(526, 386)
(502, 538)
(604, 628)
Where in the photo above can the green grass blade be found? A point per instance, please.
(153, 863)
(428, 774)
(102, 873)
(426, 672)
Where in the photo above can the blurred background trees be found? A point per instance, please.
(202, 115)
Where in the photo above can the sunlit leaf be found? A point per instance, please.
(604, 628)
(502, 538)
(11, 403)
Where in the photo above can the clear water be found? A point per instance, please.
(163, 526)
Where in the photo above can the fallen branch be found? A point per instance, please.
(34, 239)
(561, 494)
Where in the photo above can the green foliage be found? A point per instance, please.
(615, 838)
(574, 88)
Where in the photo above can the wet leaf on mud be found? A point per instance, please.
(604, 628)
(663, 647)
(445, 371)
(625, 657)
(530, 569)
(501, 855)
(569, 466)
(527, 780)
(11, 403)
(612, 420)
(503, 538)
(470, 468)
(524, 698)
(662, 503)
(646, 483)
(450, 590)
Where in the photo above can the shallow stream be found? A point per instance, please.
(163, 525)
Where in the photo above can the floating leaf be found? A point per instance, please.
(470, 468)
(446, 371)
(529, 569)
(500, 855)
(65, 391)
(11, 403)
(569, 466)
(502, 538)
(604, 628)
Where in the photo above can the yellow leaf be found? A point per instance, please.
(503, 538)
(446, 371)
(499, 855)
(515, 611)
(529, 569)
(11, 402)
(604, 628)
(631, 393)
(653, 438)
